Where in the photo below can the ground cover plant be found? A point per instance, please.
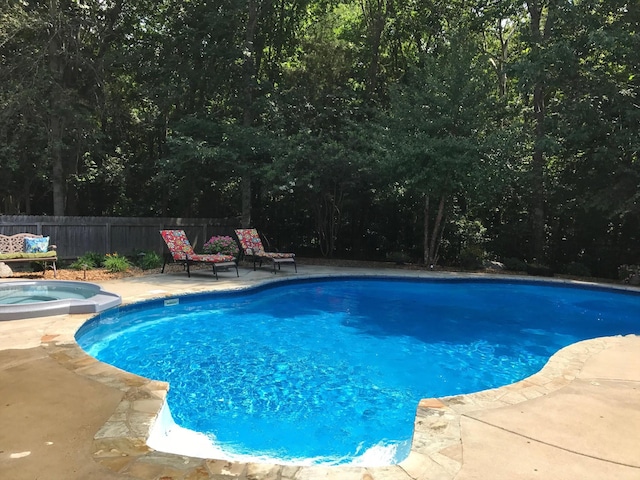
(88, 261)
(116, 263)
(148, 260)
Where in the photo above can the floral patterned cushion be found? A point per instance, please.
(277, 255)
(178, 244)
(250, 241)
(211, 258)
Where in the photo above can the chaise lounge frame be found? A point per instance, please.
(186, 256)
(251, 247)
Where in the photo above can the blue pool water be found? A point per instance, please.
(331, 369)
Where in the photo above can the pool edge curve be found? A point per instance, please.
(437, 440)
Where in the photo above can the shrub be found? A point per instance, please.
(115, 263)
(539, 270)
(148, 260)
(471, 258)
(399, 258)
(625, 272)
(88, 261)
(221, 244)
(577, 269)
(515, 264)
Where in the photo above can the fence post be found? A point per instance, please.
(108, 235)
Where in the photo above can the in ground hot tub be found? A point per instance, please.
(41, 298)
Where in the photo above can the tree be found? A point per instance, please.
(53, 56)
(594, 196)
(436, 121)
(542, 15)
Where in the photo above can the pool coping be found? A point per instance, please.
(436, 450)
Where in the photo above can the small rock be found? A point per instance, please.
(493, 265)
(5, 271)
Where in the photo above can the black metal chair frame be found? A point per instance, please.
(187, 261)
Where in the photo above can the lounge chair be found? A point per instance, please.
(252, 247)
(181, 251)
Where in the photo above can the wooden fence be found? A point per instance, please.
(75, 236)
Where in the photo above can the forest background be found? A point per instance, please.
(433, 131)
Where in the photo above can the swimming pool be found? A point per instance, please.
(39, 298)
(345, 360)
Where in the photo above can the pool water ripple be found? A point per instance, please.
(331, 369)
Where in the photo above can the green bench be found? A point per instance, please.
(13, 249)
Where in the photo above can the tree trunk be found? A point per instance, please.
(375, 13)
(55, 122)
(426, 243)
(245, 219)
(250, 75)
(328, 210)
(433, 238)
(538, 183)
(500, 60)
(57, 171)
(541, 26)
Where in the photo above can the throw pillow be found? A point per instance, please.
(36, 245)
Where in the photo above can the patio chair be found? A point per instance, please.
(181, 251)
(252, 247)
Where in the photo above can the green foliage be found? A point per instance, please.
(514, 264)
(469, 233)
(627, 272)
(435, 121)
(88, 261)
(51, 90)
(399, 258)
(116, 263)
(576, 269)
(341, 117)
(148, 260)
(472, 257)
(539, 270)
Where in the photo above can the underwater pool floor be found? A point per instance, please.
(579, 417)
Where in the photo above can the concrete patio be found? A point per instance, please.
(66, 416)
